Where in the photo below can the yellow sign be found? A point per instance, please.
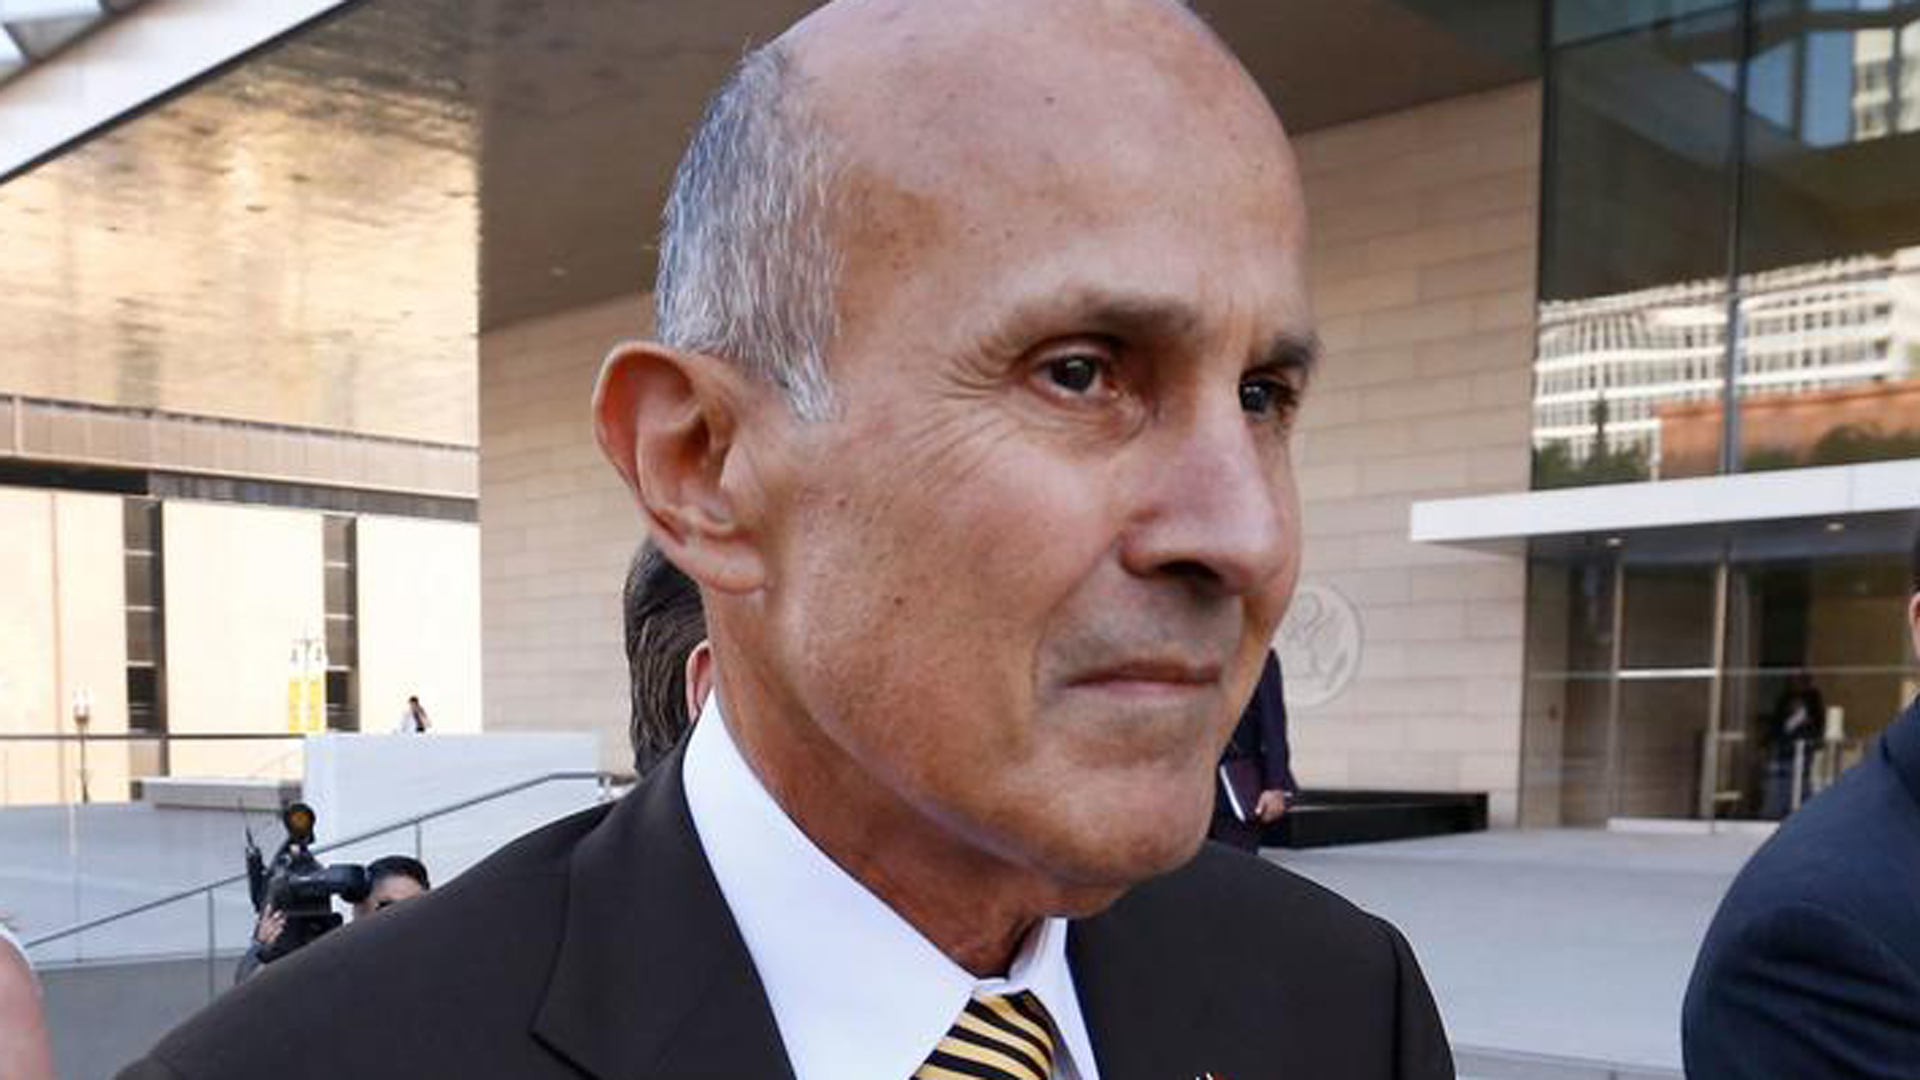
(307, 687)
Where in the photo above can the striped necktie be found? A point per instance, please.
(998, 1037)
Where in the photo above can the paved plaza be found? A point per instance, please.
(1553, 954)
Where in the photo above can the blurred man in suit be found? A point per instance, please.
(1811, 968)
(983, 327)
(668, 664)
(1256, 771)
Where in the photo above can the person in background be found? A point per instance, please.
(667, 655)
(1811, 968)
(1256, 771)
(413, 719)
(1799, 721)
(390, 879)
(26, 1052)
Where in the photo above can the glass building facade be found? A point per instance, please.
(1730, 267)
(1729, 283)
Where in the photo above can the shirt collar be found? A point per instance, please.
(854, 988)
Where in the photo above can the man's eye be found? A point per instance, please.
(1075, 374)
(1264, 397)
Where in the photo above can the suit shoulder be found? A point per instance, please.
(1266, 905)
(1846, 851)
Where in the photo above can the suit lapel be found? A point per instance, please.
(1144, 1021)
(652, 978)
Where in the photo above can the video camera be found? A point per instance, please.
(298, 886)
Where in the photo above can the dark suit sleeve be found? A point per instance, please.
(1802, 991)
(149, 1068)
(1270, 702)
(1421, 1051)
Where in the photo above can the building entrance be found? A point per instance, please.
(1711, 673)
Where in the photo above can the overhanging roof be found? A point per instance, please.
(1831, 491)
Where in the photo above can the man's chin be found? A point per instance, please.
(1094, 871)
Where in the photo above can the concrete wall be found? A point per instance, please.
(418, 598)
(62, 632)
(357, 784)
(1423, 261)
(557, 530)
(243, 583)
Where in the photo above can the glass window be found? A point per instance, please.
(1661, 740)
(142, 640)
(1668, 617)
(1570, 615)
(140, 524)
(339, 590)
(143, 584)
(341, 651)
(143, 698)
(1636, 180)
(342, 715)
(337, 535)
(1828, 359)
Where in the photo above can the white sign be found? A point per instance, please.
(1319, 643)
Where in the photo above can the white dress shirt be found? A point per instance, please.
(855, 990)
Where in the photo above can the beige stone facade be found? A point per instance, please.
(1423, 264)
(62, 635)
(557, 530)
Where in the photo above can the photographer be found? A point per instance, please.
(390, 879)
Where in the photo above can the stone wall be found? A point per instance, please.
(1423, 264)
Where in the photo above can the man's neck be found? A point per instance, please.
(973, 906)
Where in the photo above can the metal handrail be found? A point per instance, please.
(606, 780)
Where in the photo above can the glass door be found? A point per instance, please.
(1819, 658)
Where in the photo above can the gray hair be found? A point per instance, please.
(748, 267)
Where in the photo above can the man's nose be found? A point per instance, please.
(1215, 507)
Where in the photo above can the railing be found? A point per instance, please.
(604, 792)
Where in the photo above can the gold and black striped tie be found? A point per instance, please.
(998, 1037)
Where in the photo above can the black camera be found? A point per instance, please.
(298, 886)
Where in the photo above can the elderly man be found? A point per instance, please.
(983, 326)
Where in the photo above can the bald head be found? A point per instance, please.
(871, 120)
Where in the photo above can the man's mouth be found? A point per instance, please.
(1164, 675)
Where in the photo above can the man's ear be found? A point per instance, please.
(666, 420)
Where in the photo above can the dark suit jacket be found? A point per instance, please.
(600, 946)
(1811, 969)
(1261, 733)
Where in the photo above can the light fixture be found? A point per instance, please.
(1836, 526)
(1615, 541)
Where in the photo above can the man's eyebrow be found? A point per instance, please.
(1149, 317)
(1291, 353)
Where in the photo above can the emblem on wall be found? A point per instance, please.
(1319, 643)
